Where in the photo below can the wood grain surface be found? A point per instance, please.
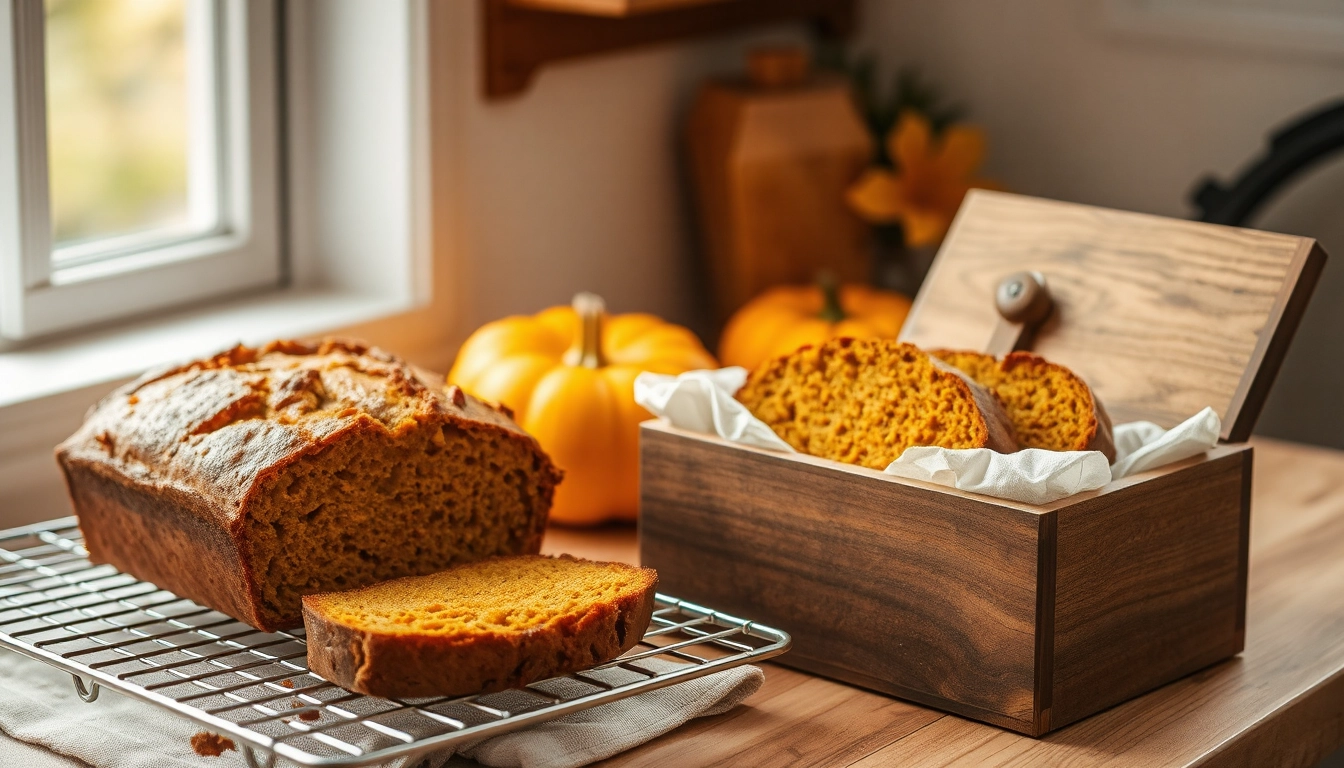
(904, 589)
(1150, 584)
(1024, 617)
(1280, 703)
(1161, 316)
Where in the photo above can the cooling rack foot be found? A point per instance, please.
(86, 693)
(257, 759)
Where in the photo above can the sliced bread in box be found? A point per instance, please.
(864, 401)
(1049, 405)
(249, 479)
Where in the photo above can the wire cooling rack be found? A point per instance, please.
(111, 630)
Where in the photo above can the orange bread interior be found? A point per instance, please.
(1049, 405)
(510, 595)
(864, 401)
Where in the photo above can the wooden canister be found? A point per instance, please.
(771, 156)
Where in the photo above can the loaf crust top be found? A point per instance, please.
(209, 431)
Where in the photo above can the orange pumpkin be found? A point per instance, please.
(784, 318)
(568, 375)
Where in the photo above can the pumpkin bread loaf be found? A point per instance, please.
(864, 401)
(501, 623)
(249, 479)
(1049, 405)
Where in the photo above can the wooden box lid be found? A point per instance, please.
(1161, 316)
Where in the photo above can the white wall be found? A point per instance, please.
(576, 183)
(1078, 111)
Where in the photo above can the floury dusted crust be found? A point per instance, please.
(249, 479)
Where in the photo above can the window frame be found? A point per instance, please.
(397, 284)
(38, 297)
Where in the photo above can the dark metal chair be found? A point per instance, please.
(1293, 149)
(1304, 405)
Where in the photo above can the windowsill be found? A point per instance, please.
(104, 357)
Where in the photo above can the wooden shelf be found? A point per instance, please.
(610, 8)
(521, 37)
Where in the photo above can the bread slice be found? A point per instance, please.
(864, 401)
(487, 626)
(1050, 406)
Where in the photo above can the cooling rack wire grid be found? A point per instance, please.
(110, 630)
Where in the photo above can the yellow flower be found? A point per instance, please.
(931, 177)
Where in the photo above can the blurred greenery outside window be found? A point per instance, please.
(142, 158)
(132, 159)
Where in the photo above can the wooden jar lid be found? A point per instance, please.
(1161, 317)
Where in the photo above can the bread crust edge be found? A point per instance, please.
(998, 427)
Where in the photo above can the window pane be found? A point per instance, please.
(124, 146)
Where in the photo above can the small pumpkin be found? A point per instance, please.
(568, 375)
(784, 318)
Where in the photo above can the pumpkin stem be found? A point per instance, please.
(587, 348)
(831, 311)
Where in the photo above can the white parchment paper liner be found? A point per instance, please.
(702, 401)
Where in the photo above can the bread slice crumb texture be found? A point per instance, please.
(1050, 406)
(865, 401)
(506, 595)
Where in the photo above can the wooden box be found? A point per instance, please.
(1026, 617)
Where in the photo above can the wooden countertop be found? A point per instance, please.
(1280, 703)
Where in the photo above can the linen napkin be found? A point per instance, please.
(38, 705)
(702, 401)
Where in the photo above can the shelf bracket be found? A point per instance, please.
(519, 40)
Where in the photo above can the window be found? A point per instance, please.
(138, 157)
(369, 251)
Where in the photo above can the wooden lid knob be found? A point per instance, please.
(777, 67)
(1023, 297)
(1023, 302)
